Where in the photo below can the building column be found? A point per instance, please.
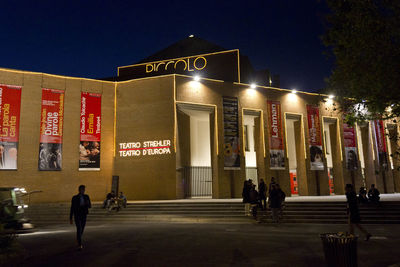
(304, 182)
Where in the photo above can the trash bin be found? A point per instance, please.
(340, 249)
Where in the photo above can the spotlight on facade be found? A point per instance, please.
(253, 86)
(294, 91)
(331, 96)
(191, 36)
(197, 78)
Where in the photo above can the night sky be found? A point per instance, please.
(91, 38)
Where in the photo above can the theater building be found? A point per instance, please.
(193, 120)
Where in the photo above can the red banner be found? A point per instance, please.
(380, 136)
(380, 141)
(350, 147)
(10, 106)
(314, 131)
(51, 129)
(277, 152)
(89, 148)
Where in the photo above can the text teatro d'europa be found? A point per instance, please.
(134, 149)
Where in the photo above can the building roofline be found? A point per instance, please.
(154, 77)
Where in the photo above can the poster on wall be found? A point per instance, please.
(314, 131)
(231, 133)
(51, 130)
(350, 147)
(89, 147)
(10, 106)
(277, 151)
(294, 188)
(380, 140)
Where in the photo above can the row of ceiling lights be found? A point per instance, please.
(253, 86)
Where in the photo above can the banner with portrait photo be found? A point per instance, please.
(231, 133)
(380, 139)
(314, 131)
(350, 147)
(277, 150)
(89, 147)
(10, 107)
(51, 130)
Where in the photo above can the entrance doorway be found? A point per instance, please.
(330, 134)
(294, 145)
(194, 133)
(249, 146)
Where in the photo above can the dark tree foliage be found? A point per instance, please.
(364, 38)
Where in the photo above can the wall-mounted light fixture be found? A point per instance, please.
(253, 86)
(196, 78)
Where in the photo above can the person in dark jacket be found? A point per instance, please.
(80, 205)
(353, 211)
(282, 197)
(109, 199)
(254, 200)
(275, 201)
(373, 194)
(262, 193)
(362, 195)
(246, 197)
(270, 185)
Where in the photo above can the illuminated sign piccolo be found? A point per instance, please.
(185, 64)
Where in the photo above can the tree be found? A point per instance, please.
(364, 38)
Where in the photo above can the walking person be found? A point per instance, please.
(80, 205)
(262, 192)
(353, 212)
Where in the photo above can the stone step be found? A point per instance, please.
(309, 211)
(228, 212)
(212, 213)
(118, 216)
(218, 220)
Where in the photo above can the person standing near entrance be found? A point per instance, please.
(246, 197)
(80, 205)
(275, 200)
(270, 185)
(353, 212)
(262, 192)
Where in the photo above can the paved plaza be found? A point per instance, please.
(206, 244)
